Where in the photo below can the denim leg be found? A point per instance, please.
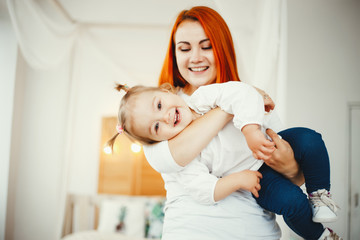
(284, 198)
(311, 154)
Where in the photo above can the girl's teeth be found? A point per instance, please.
(176, 117)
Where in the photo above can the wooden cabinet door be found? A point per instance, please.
(124, 171)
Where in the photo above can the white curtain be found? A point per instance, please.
(100, 54)
(259, 31)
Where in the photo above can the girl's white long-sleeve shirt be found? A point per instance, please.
(225, 154)
(228, 152)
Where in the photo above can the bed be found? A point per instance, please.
(109, 217)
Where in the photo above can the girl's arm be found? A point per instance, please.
(184, 148)
(208, 189)
(194, 138)
(245, 180)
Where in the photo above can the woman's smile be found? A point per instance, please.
(198, 69)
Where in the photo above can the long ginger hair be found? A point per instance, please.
(220, 37)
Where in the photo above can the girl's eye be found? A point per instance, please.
(184, 49)
(156, 127)
(159, 105)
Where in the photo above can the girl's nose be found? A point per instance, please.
(167, 118)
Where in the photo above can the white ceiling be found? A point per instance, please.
(126, 12)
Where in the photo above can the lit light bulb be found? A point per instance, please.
(135, 148)
(107, 150)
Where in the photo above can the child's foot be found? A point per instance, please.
(324, 208)
(329, 234)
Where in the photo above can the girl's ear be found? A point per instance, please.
(167, 87)
(164, 90)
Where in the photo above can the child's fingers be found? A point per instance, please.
(255, 193)
(258, 174)
(256, 156)
(259, 155)
(267, 150)
(268, 143)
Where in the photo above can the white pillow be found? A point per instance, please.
(134, 221)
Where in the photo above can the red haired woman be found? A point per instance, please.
(201, 52)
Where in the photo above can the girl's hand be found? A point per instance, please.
(245, 180)
(250, 181)
(261, 147)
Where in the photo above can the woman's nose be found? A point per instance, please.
(196, 55)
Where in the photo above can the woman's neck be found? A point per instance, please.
(189, 89)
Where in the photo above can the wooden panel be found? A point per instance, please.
(123, 171)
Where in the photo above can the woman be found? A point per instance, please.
(201, 52)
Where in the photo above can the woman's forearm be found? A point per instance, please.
(194, 138)
(294, 174)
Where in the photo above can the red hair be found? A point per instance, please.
(219, 34)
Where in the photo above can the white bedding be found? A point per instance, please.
(110, 217)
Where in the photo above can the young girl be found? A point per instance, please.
(150, 115)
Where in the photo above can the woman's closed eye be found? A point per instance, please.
(207, 48)
(185, 49)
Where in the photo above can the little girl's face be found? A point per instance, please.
(159, 115)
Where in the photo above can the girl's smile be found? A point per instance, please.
(159, 115)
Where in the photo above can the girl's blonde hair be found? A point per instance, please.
(125, 119)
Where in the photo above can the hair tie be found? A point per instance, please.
(119, 129)
(126, 88)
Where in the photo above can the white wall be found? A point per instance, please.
(8, 50)
(323, 77)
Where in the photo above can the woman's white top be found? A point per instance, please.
(190, 210)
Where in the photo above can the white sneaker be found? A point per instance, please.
(323, 207)
(329, 234)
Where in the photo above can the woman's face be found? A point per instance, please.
(194, 55)
(159, 115)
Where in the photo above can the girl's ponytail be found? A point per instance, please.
(120, 87)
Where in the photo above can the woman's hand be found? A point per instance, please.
(268, 102)
(283, 160)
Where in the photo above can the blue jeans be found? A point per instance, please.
(282, 197)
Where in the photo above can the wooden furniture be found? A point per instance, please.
(125, 172)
